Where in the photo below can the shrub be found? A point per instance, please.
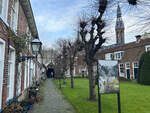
(144, 69)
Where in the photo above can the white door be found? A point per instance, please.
(2, 53)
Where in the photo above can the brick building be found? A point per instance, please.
(16, 16)
(128, 54)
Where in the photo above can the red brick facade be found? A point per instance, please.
(132, 53)
(22, 25)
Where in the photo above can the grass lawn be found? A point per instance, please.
(135, 98)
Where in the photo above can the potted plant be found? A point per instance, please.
(38, 99)
(32, 92)
(27, 104)
(13, 108)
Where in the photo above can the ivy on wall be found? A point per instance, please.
(21, 42)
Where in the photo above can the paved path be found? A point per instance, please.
(53, 101)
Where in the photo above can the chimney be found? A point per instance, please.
(138, 38)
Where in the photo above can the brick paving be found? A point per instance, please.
(53, 101)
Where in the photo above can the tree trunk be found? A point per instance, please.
(71, 74)
(91, 82)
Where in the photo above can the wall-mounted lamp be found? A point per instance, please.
(36, 45)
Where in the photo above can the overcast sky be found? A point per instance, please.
(58, 19)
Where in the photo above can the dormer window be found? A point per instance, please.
(118, 55)
(109, 56)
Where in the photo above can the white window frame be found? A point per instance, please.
(25, 74)
(2, 58)
(1, 7)
(12, 74)
(133, 65)
(31, 72)
(19, 77)
(108, 56)
(146, 48)
(28, 80)
(121, 74)
(126, 65)
(74, 70)
(118, 55)
(14, 15)
(127, 68)
(4, 13)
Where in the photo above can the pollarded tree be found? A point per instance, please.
(73, 48)
(92, 45)
(96, 39)
(62, 51)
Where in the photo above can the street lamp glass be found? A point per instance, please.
(36, 46)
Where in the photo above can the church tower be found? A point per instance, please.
(119, 27)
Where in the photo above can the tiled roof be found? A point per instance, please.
(132, 51)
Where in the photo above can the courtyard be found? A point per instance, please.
(134, 98)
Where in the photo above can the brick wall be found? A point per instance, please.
(4, 36)
(22, 21)
(22, 27)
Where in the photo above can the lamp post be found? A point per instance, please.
(36, 48)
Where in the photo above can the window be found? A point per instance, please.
(31, 76)
(18, 81)
(118, 55)
(26, 74)
(136, 65)
(2, 54)
(29, 37)
(109, 56)
(1, 2)
(4, 9)
(121, 68)
(127, 65)
(11, 72)
(147, 48)
(112, 56)
(14, 15)
(135, 69)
